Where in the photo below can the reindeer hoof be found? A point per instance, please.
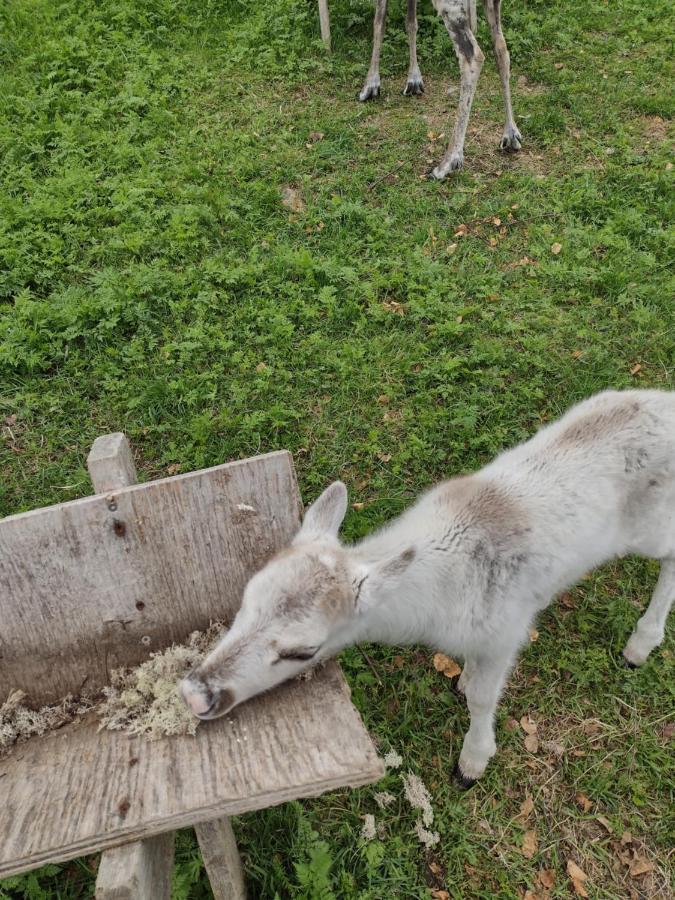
(413, 87)
(463, 781)
(453, 164)
(369, 92)
(511, 140)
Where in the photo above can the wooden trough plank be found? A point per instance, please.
(97, 583)
(221, 858)
(138, 871)
(300, 740)
(142, 870)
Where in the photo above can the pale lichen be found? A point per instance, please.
(369, 831)
(18, 722)
(146, 700)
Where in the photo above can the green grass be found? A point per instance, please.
(152, 281)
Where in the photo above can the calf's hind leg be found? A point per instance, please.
(414, 84)
(512, 137)
(371, 87)
(471, 58)
(650, 629)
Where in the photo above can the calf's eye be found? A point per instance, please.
(300, 655)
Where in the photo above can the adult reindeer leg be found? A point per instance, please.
(414, 84)
(371, 87)
(457, 19)
(511, 139)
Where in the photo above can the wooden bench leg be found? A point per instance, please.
(138, 871)
(324, 21)
(221, 858)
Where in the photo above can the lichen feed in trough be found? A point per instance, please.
(143, 700)
(146, 700)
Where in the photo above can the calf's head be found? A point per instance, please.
(294, 612)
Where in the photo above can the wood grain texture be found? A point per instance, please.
(111, 463)
(98, 583)
(76, 791)
(138, 871)
(221, 858)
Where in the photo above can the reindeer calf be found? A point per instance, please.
(467, 568)
(459, 17)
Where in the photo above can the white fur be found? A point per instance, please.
(466, 569)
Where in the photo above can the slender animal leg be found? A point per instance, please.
(512, 137)
(455, 16)
(414, 84)
(371, 87)
(650, 628)
(483, 690)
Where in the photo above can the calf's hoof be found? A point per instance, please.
(453, 163)
(414, 86)
(511, 140)
(370, 91)
(463, 781)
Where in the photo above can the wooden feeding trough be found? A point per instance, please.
(97, 583)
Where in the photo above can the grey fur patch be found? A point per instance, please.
(596, 426)
(462, 37)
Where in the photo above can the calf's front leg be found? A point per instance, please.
(482, 689)
(471, 58)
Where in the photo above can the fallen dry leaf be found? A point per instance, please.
(534, 634)
(558, 66)
(383, 399)
(604, 821)
(577, 354)
(461, 230)
(526, 808)
(446, 665)
(315, 136)
(567, 600)
(530, 844)
(640, 866)
(554, 747)
(556, 248)
(173, 468)
(532, 743)
(635, 369)
(358, 505)
(582, 801)
(578, 877)
(546, 877)
(394, 307)
(291, 199)
(399, 662)
(440, 895)
(528, 725)
(511, 724)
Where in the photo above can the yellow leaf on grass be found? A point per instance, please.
(526, 808)
(582, 801)
(534, 634)
(528, 726)
(446, 665)
(640, 866)
(578, 877)
(532, 743)
(556, 248)
(530, 844)
(547, 877)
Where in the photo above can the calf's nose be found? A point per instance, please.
(199, 698)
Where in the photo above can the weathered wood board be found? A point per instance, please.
(100, 582)
(76, 791)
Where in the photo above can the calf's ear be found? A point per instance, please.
(325, 515)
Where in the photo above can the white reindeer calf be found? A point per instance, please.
(467, 568)
(459, 17)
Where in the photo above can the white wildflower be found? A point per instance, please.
(384, 799)
(418, 797)
(368, 832)
(393, 760)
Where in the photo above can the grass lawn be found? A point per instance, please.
(388, 331)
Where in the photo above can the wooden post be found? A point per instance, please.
(142, 870)
(111, 464)
(324, 21)
(221, 858)
(138, 871)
